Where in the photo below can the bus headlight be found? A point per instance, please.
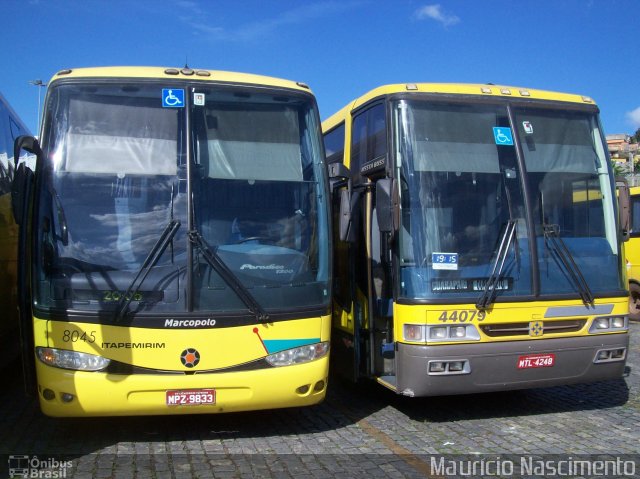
(609, 324)
(438, 332)
(466, 332)
(617, 323)
(300, 355)
(65, 359)
(458, 331)
(421, 333)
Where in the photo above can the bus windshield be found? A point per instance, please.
(463, 196)
(239, 168)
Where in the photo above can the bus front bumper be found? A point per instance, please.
(500, 366)
(64, 393)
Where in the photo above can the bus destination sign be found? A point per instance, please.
(468, 285)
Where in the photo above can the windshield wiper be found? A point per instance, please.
(62, 219)
(489, 294)
(212, 258)
(555, 244)
(152, 258)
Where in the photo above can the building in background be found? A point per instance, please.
(624, 152)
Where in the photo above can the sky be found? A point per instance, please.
(341, 48)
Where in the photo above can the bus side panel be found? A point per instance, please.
(8, 280)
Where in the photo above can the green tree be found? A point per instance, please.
(636, 137)
(618, 169)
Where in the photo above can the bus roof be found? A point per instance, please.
(185, 73)
(474, 89)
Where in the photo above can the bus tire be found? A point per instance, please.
(634, 301)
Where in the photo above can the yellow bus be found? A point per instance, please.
(481, 240)
(11, 127)
(176, 244)
(632, 251)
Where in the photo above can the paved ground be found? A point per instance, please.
(356, 432)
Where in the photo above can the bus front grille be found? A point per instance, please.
(522, 329)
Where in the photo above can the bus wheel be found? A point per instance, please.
(634, 301)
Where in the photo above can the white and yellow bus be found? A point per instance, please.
(175, 232)
(482, 245)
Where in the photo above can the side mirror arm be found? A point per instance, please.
(339, 176)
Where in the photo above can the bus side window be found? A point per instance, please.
(369, 138)
(635, 212)
(358, 146)
(334, 145)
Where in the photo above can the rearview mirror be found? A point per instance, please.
(22, 177)
(27, 143)
(345, 223)
(388, 205)
(624, 208)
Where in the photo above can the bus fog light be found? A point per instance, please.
(319, 386)
(456, 366)
(610, 355)
(436, 367)
(303, 389)
(300, 355)
(66, 397)
(413, 332)
(617, 354)
(453, 367)
(48, 394)
(65, 359)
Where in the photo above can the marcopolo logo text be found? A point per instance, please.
(189, 323)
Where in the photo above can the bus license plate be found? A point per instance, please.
(191, 397)
(536, 361)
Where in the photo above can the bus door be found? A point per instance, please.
(371, 253)
(350, 286)
(384, 221)
(21, 188)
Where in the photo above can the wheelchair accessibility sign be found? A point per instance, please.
(502, 135)
(172, 98)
